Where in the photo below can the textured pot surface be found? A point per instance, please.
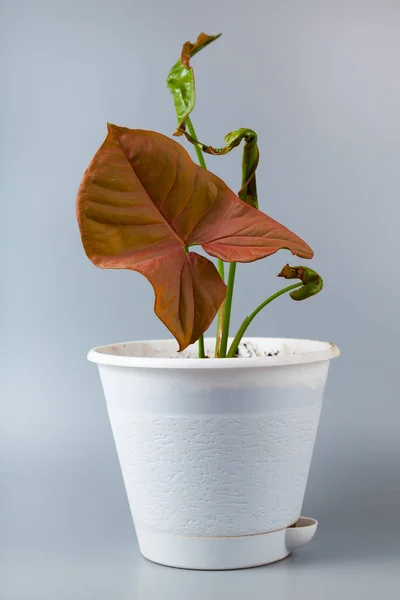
(214, 448)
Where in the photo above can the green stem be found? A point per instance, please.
(199, 153)
(202, 163)
(238, 337)
(249, 164)
(201, 353)
(227, 310)
(221, 269)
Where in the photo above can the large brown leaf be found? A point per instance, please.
(142, 200)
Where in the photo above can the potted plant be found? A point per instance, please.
(214, 436)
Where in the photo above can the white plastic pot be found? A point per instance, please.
(215, 453)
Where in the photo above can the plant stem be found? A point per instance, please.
(238, 337)
(227, 310)
(249, 164)
(200, 155)
(221, 269)
(201, 353)
(202, 163)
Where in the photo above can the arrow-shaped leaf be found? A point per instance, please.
(142, 201)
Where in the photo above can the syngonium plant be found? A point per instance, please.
(143, 205)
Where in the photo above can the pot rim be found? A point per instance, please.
(314, 351)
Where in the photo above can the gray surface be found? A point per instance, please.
(326, 106)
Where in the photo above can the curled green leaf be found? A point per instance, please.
(250, 160)
(312, 282)
(232, 140)
(251, 156)
(180, 79)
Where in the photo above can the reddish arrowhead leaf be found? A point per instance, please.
(188, 289)
(142, 200)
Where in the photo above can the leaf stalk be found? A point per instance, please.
(242, 329)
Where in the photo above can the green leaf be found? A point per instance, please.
(251, 156)
(312, 282)
(180, 79)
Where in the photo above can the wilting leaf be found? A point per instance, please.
(180, 79)
(142, 200)
(312, 282)
(251, 156)
(189, 49)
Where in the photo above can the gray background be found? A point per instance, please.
(326, 99)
